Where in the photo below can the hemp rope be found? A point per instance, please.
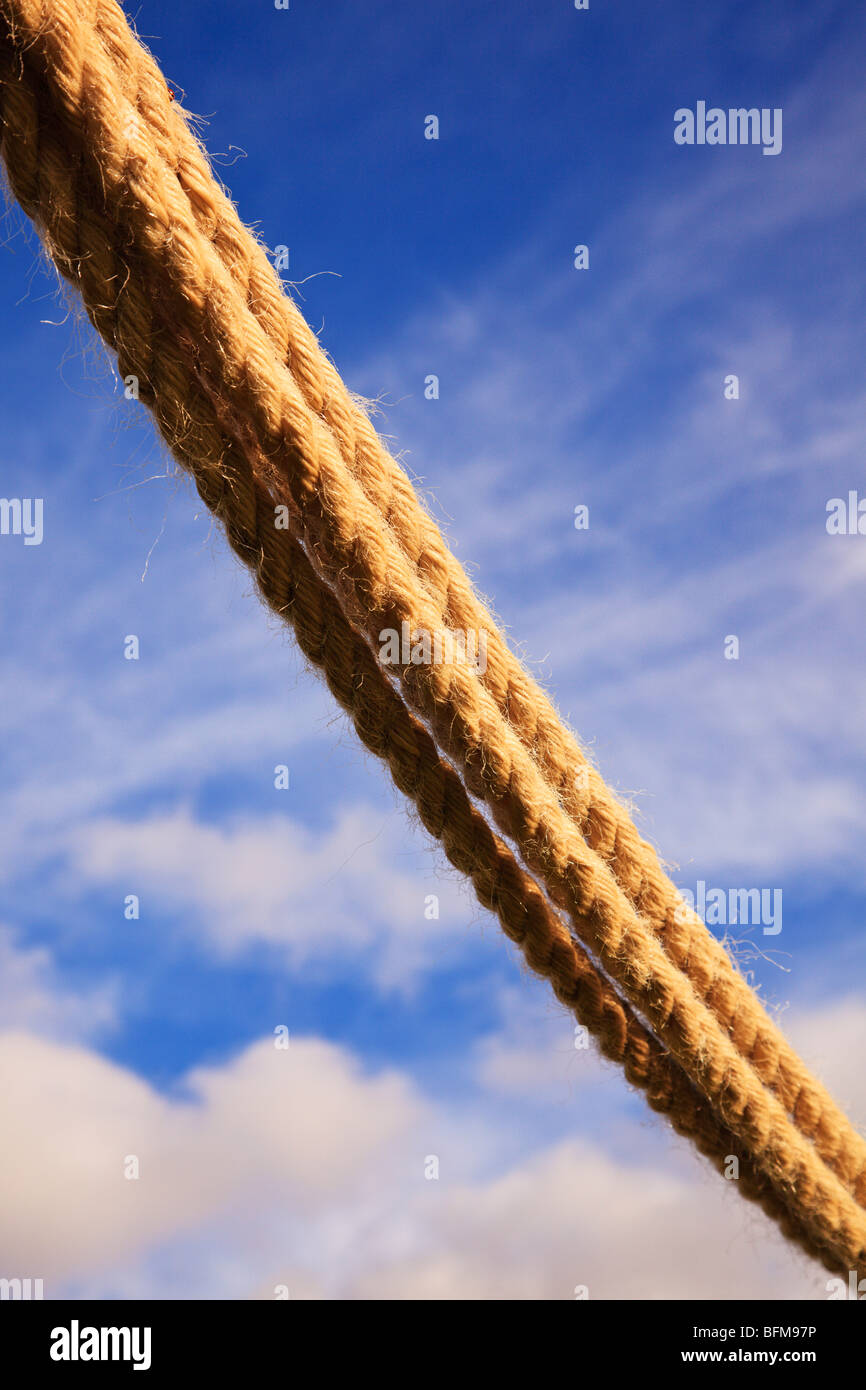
(292, 589)
(425, 694)
(603, 821)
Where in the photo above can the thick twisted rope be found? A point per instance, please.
(351, 554)
(605, 824)
(290, 587)
(311, 458)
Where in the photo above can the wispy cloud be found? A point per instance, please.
(360, 895)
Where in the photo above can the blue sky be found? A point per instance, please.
(305, 907)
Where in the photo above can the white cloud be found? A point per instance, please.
(355, 894)
(33, 997)
(573, 1217)
(299, 1167)
(538, 1053)
(301, 1129)
(831, 1037)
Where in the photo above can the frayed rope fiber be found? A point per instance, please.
(104, 162)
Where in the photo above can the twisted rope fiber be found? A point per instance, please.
(606, 825)
(670, 1009)
(290, 586)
